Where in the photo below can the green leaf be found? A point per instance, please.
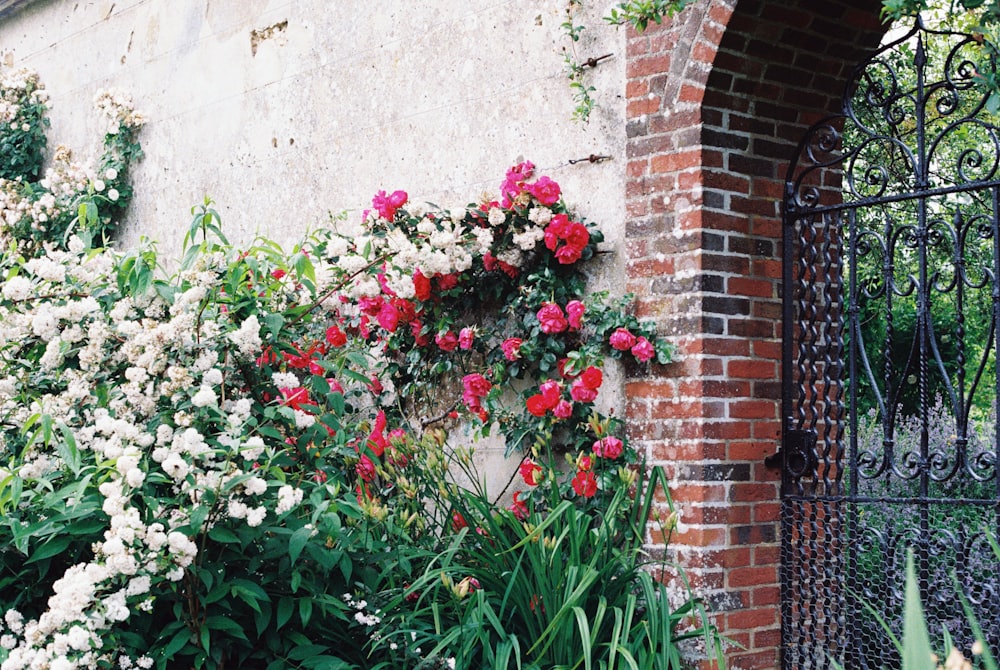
(305, 610)
(178, 642)
(274, 322)
(56, 545)
(226, 625)
(298, 542)
(223, 535)
(286, 606)
(917, 651)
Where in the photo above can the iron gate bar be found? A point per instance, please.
(909, 489)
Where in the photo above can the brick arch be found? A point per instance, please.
(718, 98)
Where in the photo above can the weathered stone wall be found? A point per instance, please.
(284, 111)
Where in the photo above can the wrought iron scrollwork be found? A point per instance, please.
(892, 301)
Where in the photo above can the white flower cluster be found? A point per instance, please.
(17, 88)
(119, 110)
(169, 420)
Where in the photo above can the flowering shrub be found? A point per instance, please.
(248, 462)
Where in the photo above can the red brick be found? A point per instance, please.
(766, 554)
(761, 660)
(698, 493)
(753, 409)
(765, 595)
(727, 430)
(738, 577)
(752, 369)
(636, 88)
(642, 106)
(765, 512)
(752, 492)
(764, 349)
(752, 618)
(691, 93)
(703, 52)
(644, 66)
(760, 288)
(701, 537)
(750, 451)
(676, 161)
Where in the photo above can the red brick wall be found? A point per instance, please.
(717, 101)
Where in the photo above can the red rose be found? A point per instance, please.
(475, 387)
(551, 392)
(447, 340)
(388, 317)
(421, 286)
(519, 508)
(592, 378)
(417, 329)
(365, 469)
(536, 405)
(580, 392)
(447, 282)
(335, 336)
(465, 338)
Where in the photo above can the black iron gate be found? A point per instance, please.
(892, 299)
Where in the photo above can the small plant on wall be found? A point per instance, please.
(68, 198)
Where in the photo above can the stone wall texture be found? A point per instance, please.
(282, 111)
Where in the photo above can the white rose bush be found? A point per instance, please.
(249, 462)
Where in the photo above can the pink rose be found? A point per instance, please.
(388, 317)
(551, 318)
(643, 350)
(386, 205)
(581, 392)
(551, 392)
(365, 469)
(544, 190)
(563, 409)
(512, 348)
(447, 340)
(465, 337)
(574, 313)
(475, 387)
(622, 340)
(608, 447)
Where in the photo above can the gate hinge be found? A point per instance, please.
(797, 455)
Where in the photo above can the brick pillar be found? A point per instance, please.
(717, 102)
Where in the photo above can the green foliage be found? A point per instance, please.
(640, 13)
(564, 589)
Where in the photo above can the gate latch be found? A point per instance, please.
(797, 455)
